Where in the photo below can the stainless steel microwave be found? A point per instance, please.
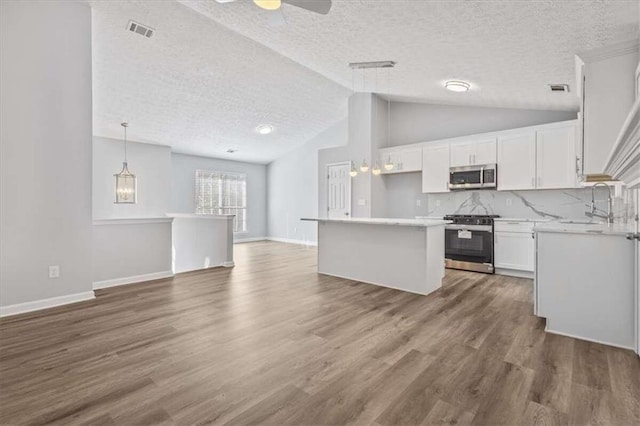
(473, 177)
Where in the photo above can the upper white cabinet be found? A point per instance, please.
(555, 158)
(478, 151)
(517, 161)
(538, 158)
(403, 159)
(435, 168)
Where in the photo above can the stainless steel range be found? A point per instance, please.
(469, 243)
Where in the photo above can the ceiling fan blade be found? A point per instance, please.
(318, 6)
(275, 18)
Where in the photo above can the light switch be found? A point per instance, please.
(437, 203)
(362, 201)
(418, 203)
(508, 202)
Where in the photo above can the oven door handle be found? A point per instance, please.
(483, 228)
(482, 176)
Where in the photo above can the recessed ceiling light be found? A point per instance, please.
(265, 129)
(457, 86)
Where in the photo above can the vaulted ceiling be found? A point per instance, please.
(213, 72)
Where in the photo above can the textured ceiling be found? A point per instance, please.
(213, 72)
(508, 50)
(200, 87)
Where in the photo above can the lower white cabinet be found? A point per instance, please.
(514, 246)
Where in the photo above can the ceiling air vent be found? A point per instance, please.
(559, 87)
(137, 28)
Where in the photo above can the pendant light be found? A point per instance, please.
(376, 169)
(125, 180)
(353, 172)
(388, 166)
(364, 167)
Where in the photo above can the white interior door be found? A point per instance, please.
(338, 190)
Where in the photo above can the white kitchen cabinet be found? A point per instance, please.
(473, 152)
(514, 246)
(403, 159)
(485, 151)
(410, 160)
(556, 158)
(462, 154)
(517, 161)
(435, 168)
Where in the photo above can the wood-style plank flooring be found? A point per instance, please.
(272, 342)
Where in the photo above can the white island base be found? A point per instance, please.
(402, 254)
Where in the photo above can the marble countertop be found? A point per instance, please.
(620, 229)
(519, 219)
(422, 223)
(201, 216)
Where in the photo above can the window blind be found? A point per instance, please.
(222, 193)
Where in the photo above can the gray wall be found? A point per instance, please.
(418, 122)
(293, 187)
(45, 80)
(183, 171)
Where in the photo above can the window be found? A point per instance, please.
(222, 193)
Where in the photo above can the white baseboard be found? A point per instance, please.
(131, 280)
(36, 305)
(514, 273)
(292, 241)
(560, 333)
(248, 240)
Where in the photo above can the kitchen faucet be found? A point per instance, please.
(594, 210)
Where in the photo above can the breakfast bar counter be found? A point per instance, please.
(405, 254)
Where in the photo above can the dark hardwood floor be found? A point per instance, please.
(272, 342)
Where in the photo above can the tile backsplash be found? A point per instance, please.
(543, 204)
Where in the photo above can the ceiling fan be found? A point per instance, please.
(318, 6)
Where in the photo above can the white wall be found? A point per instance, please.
(183, 171)
(609, 95)
(293, 187)
(45, 80)
(152, 166)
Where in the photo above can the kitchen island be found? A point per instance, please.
(405, 254)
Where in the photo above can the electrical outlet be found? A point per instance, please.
(54, 271)
(508, 202)
(362, 202)
(418, 203)
(295, 230)
(437, 203)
